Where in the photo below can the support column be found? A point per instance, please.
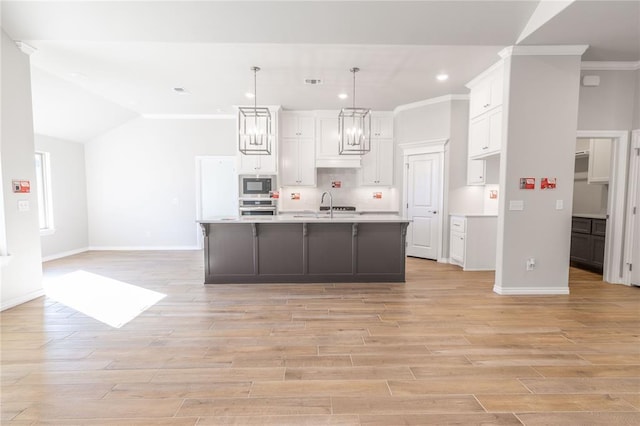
(540, 115)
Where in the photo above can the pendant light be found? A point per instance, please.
(354, 127)
(254, 126)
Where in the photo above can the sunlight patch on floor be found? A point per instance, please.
(110, 301)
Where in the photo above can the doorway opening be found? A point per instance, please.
(607, 165)
(590, 203)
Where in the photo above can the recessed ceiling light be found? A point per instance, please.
(343, 96)
(77, 75)
(180, 90)
(442, 77)
(249, 95)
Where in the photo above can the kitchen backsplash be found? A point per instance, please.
(346, 190)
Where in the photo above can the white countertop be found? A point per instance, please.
(591, 215)
(473, 215)
(311, 218)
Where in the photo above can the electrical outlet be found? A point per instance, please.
(531, 264)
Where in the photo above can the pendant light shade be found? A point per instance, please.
(354, 127)
(254, 126)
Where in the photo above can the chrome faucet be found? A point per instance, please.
(330, 202)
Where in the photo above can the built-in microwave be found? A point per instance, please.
(257, 186)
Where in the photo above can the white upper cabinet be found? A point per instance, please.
(297, 150)
(486, 91)
(485, 113)
(476, 170)
(382, 125)
(295, 125)
(377, 165)
(258, 164)
(599, 161)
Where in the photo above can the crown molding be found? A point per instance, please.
(610, 66)
(25, 48)
(440, 99)
(559, 50)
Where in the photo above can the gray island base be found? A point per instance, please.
(304, 251)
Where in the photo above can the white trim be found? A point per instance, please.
(613, 271)
(7, 304)
(64, 254)
(423, 147)
(632, 190)
(189, 116)
(27, 49)
(141, 248)
(432, 101)
(610, 66)
(530, 291)
(559, 50)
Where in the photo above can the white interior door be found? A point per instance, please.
(423, 203)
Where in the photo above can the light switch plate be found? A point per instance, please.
(559, 205)
(516, 205)
(23, 205)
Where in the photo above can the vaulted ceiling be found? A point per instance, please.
(98, 64)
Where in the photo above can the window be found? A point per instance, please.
(43, 185)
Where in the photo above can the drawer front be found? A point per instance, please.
(458, 224)
(581, 225)
(598, 227)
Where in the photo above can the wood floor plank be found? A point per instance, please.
(442, 349)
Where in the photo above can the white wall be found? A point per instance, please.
(69, 193)
(540, 119)
(613, 105)
(141, 181)
(22, 276)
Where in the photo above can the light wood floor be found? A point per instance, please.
(440, 349)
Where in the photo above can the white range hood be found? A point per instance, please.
(342, 162)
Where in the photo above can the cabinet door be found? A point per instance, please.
(288, 162)
(385, 162)
(496, 87)
(596, 255)
(327, 137)
(456, 250)
(306, 162)
(580, 247)
(495, 131)
(478, 136)
(382, 126)
(479, 98)
(369, 168)
(599, 161)
(476, 172)
(306, 126)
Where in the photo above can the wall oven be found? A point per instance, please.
(258, 207)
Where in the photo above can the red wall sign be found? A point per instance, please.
(21, 186)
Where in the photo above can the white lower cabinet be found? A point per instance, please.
(472, 242)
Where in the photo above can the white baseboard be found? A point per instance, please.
(6, 304)
(64, 254)
(142, 248)
(530, 291)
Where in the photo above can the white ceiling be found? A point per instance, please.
(114, 60)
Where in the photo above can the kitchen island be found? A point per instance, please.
(304, 248)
